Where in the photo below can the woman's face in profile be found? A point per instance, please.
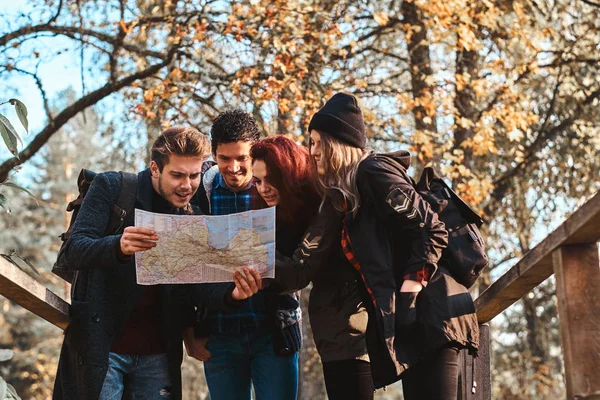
(316, 151)
(268, 192)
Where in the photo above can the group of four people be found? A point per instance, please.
(347, 220)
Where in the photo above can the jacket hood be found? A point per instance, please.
(400, 156)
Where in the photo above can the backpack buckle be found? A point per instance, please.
(119, 212)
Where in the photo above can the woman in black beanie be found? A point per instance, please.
(419, 316)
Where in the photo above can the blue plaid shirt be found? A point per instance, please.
(251, 316)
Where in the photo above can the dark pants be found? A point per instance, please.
(433, 379)
(348, 380)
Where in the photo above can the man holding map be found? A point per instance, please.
(258, 344)
(124, 339)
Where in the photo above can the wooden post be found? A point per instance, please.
(481, 370)
(577, 270)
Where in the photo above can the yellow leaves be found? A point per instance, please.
(382, 18)
(464, 122)
(482, 142)
(467, 39)
(475, 190)
(423, 145)
(410, 31)
(519, 10)
(462, 80)
(361, 84)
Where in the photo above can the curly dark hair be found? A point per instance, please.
(233, 126)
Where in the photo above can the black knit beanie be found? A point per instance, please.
(341, 118)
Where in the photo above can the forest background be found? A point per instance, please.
(501, 96)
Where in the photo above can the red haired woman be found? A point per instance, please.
(284, 176)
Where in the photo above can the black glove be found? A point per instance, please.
(406, 314)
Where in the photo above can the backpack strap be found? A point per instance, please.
(125, 203)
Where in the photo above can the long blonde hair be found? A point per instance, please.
(340, 164)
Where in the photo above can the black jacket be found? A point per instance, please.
(395, 233)
(337, 315)
(106, 292)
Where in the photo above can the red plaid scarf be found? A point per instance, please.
(349, 253)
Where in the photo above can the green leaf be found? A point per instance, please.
(11, 392)
(21, 112)
(2, 389)
(5, 355)
(9, 135)
(14, 185)
(4, 203)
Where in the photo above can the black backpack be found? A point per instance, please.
(465, 255)
(123, 206)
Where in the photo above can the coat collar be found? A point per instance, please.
(144, 190)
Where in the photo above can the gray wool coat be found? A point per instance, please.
(106, 292)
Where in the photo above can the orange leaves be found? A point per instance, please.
(149, 96)
(361, 84)
(176, 74)
(382, 18)
(235, 27)
(200, 30)
(475, 190)
(283, 105)
(127, 27)
(144, 111)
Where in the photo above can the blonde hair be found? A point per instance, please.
(340, 164)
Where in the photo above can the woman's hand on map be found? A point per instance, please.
(137, 238)
(246, 284)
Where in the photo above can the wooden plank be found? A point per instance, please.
(536, 265)
(19, 287)
(479, 388)
(577, 269)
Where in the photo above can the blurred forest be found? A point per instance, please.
(501, 96)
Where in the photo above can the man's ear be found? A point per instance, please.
(154, 169)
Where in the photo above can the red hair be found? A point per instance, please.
(289, 170)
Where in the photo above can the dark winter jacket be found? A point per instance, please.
(336, 308)
(106, 292)
(395, 233)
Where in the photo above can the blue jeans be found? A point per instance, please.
(136, 377)
(239, 361)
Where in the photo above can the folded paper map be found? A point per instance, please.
(205, 248)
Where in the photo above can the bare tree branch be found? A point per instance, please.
(55, 16)
(74, 33)
(38, 83)
(63, 117)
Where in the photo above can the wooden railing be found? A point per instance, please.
(19, 287)
(570, 253)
